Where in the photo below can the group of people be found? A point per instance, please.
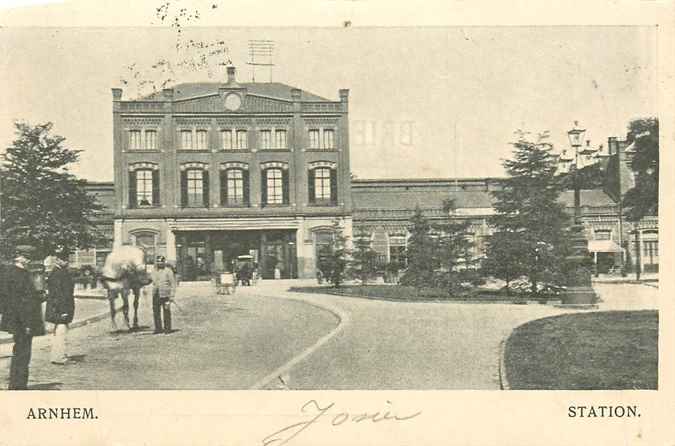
(22, 293)
(23, 290)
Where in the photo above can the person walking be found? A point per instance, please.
(164, 290)
(22, 315)
(60, 306)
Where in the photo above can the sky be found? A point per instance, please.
(424, 101)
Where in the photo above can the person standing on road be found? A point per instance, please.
(60, 306)
(22, 315)
(164, 284)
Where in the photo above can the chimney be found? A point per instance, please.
(344, 94)
(612, 145)
(295, 94)
(168, 94)
(231, 75)
(117, 94)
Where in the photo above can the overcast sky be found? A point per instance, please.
(425, 102)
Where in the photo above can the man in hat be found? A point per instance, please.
(60, 303)
(164, 284)
(22, 315)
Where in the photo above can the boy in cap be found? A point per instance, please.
(22, 315)
(164, 284)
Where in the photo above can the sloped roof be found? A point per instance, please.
(382, 199)
(276, 90)
(591, 197)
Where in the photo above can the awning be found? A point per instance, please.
(603, 246)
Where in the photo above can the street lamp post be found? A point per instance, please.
(579, 290)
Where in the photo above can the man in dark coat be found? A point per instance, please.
(22, 315)
(60, 305)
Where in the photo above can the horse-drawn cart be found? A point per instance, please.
(226, 283)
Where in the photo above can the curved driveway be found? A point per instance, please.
(397, 345)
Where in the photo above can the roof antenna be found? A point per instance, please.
(263, 50)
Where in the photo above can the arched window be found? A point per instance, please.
(322, 183)
(234, 184)
(274, 187)
(147, 241)
(195, 185)
(143, 185)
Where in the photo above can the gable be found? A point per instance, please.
(215, 104)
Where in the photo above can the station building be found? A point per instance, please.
(206, 172)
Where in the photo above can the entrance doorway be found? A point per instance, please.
(204, 253)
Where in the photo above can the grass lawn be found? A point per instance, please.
(402, 293)
(603, 350)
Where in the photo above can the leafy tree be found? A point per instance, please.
(333, 259)
(43, 204)
(643, 199)
(456, 269)
(363, 263)
(420, 253)
(529, 215)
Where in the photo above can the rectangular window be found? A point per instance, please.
(322, 184)
(144, 187)
(195, 187)
(226, 136)
(280, 136)
(314, 142)
(186, 139)
(328, 139)
(275, 193)
(242, 139)
(135, 140)
(650, 249)
(265, 139)
(235, 186)
(603, 234)
(150, 140)
(202, 140)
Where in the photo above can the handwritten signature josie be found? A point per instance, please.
(319, 412)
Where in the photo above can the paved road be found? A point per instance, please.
(222, 343)
(394, 345)
(233, 343)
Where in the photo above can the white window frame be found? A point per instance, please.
(201, 139)
(241, 141)
(235, 186)
(281, 138)
(265, 139)
(184, 138)
(144, 189)
(227, 139)
(314, 142)
(194, 202)
(322, 186)
(135, 139)
(150, 139)
(275, 185)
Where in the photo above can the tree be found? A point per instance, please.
(43, 203)
(363, 263)
(333, 259)
(456, 268)
(420, 253)
(643, 198)
(530, 223)
(502, 259)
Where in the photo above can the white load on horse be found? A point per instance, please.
(124, 271)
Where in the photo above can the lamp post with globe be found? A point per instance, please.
(578, 287)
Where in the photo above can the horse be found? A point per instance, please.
(124, 272)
